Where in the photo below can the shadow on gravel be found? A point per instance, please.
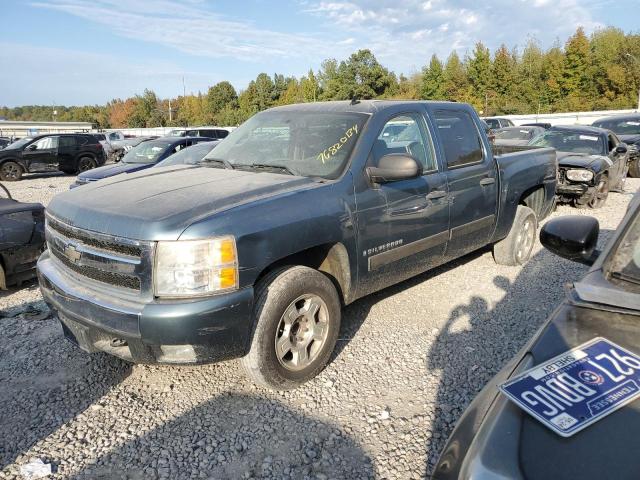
(237, 436)
(46, 382)
(476, 341)
(354, 315)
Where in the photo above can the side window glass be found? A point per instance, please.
(403, 134)
(46, 143)
(222, 133)
(460, 139)
(67, 142)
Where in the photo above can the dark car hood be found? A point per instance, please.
(159, 203)
(583, 160)
(113, 169)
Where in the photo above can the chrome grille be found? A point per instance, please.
(118, 262)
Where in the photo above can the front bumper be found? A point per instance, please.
(191, 331)
(570, 191)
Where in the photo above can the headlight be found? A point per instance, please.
(188, 268)
(580, 175)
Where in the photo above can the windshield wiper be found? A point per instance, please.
(225, 163)
(268, 166)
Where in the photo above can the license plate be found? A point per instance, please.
(579, 387)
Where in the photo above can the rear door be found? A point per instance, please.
(67, 148)
(471, 177)
(42, 155)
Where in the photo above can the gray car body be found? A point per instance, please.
(365, 236)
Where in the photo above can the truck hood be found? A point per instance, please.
(113, 169)
(159, 203)
(580, 160)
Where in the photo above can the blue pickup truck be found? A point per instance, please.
(301, 210)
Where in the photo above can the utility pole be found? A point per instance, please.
(184, 89)
(170, 116)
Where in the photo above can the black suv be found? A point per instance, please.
(70, 153)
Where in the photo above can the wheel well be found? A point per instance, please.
(331, 259)
(534, 199)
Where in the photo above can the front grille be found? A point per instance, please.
(118, 262)
(90, 239)
(116, 279)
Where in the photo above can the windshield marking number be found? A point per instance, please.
(327, 153)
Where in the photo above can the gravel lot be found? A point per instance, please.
(409, 360)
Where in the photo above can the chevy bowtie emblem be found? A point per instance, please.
(72, 253)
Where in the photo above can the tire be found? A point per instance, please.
(634, 168)
(86, 163)
(516, 248)
(10, 171)
(282, 299)
(601, 194)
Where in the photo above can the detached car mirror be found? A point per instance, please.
(394, 167)
(573, 237)
(622, 148)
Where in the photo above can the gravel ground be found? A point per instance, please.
(409, 360)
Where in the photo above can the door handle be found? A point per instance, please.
(436, 194)
(487, 181)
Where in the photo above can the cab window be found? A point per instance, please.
(405, 134)
(460, 138)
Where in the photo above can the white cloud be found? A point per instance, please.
(395, 29)
(189, 27)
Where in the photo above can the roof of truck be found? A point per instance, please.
(361, 106)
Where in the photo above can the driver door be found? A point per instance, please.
(42, 155)
(412, 223)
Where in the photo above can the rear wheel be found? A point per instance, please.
(297, 317)
(10, 171)
(516, 248)
(86, 163)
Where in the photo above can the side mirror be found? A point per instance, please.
(621, 149)
(573, 237)
(32, 147)
(394, 167)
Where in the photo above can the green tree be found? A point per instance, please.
(479, 71)
(433, 80)
(575, 79)
(218, 97)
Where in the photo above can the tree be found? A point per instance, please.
(218, 97)
(575, 80)
(479, 71)
(310, 87)
(433, 80)
(456, 84)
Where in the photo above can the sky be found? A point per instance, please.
(78, 52)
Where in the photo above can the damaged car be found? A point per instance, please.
(591, 162)
(566, 406)
(627, 128)
(21, 239)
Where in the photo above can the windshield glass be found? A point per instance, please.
(514, 134)
(189, 155)
(18, 143)
(622, 127)
(567, 141)
(146, 152)
(625, 265)
(306, 143)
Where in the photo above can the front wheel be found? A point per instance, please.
(297, 317)
(516, 248)
(601, 194)
(10, 172)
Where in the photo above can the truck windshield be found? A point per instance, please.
(568, 141)
(308, 143)
(146, 152)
